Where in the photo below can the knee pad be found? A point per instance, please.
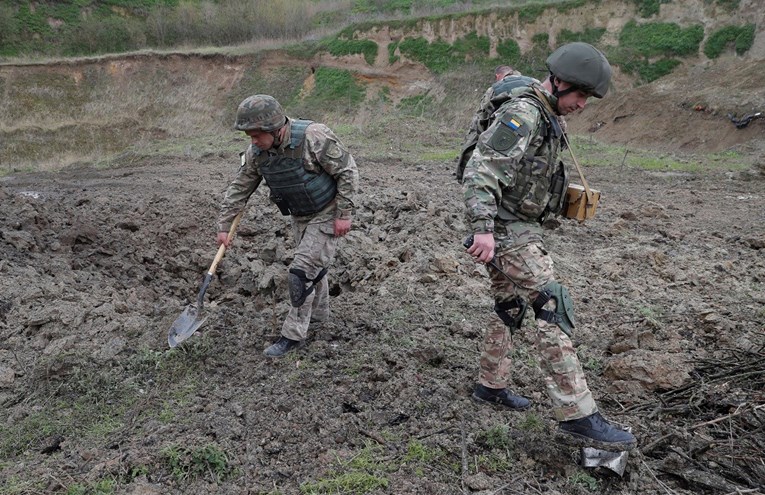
(299, 286)
(563, 315)
(504, 308)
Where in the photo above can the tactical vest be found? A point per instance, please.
(295, 190)
(502, 90)
(541, 179)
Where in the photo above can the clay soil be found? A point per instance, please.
(96, 264)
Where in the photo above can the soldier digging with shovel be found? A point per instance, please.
(312, 178)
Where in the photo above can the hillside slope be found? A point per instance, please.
(89, 109)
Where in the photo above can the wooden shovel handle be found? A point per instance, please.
(222, 248)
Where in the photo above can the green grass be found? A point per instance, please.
(84, 401)
(439, 155)
(208, 462)
(101, 487)
(17, 486)
(591, 153)
(418, 452)
(88, 403)
(416, 105)
(495, 437)
(584, 480)
(531, 422)
(362, 473)
(651, 315)
(350, 483)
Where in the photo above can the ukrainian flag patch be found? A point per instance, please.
(513, 124)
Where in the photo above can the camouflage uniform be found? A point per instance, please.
(482, 115)
(314, 234)
(492, 178)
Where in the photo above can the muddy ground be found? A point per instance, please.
(668, 281)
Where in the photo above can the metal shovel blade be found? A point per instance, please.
(185, 325)
(191, 319)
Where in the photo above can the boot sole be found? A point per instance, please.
(577, 440)
(497, 405)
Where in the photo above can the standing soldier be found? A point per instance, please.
(313, 178)
(512, 182)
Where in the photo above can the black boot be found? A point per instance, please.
(281, 347)
(500, 397)
(595, 431)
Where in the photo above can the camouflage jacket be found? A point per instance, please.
(487, 107)
(321, 149)
(510, 175)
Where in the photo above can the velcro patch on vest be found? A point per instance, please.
(507, 133)
(333, 151)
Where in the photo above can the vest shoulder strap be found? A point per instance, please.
(551, 121)
(297, 132)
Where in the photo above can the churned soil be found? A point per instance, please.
(96, 264)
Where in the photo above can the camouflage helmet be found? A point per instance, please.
(583, 66)
(259, 113)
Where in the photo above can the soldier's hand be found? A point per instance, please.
(222, 238)
(342, 226)
(482, 249)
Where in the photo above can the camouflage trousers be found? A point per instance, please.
(315, 250)
(531, 268)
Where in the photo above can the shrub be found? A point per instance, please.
(339, 86)
(661, 38)
(338, 47)
(509, 51)
(647, 8)
(740, 37)
(392, 57)
(648, 71)
(541, 40)
(9, 33)
(589, 35)
(440, 56)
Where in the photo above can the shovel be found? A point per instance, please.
(192, 317)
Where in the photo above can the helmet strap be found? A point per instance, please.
(277, 134)
(277, 139)
(558, 93)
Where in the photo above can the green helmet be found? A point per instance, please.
(581, 65)
(259, 113)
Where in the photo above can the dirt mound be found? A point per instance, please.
(686, 111)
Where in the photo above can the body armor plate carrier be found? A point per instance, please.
(295, 190)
